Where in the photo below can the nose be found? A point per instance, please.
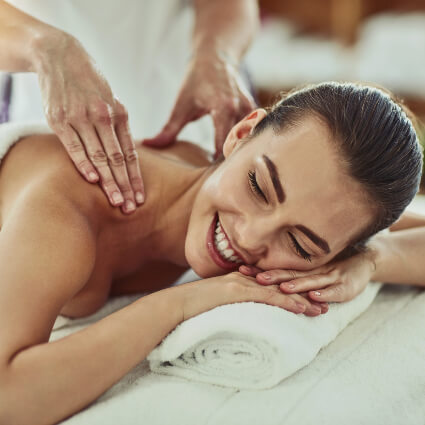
(253, 238)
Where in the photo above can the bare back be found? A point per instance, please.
(40, 165)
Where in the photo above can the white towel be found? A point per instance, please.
(251, 345)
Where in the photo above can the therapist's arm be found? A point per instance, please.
(78, 102)
(223, 31)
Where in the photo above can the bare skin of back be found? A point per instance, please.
(40, 164)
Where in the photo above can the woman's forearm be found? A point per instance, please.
(225, 27)
(48, 382)
(399, 257)
(24, 40)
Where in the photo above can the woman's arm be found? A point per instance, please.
(47, 253)
(399, 255)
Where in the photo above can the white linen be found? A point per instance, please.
(251, 345)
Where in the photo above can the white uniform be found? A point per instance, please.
(141, 46)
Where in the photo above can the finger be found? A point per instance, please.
(116, 163)
(334, 293)
(72, 143)
(182, 114)
(323, 306)
(130, 154)
(223, 121)
(273, 296)
(99, 160)
(307, 283)
(249, 270)
(277, 276)
(311, 310)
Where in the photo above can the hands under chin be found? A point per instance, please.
(338, 281)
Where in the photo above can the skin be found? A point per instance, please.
(92, 124)
(63, 247)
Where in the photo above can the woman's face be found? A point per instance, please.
(304, 211)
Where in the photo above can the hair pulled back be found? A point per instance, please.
(374, 138)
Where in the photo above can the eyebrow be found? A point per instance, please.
(280, 193)
(317, 240)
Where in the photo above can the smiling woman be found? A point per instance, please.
(317, 175)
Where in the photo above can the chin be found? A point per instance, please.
(197, 264)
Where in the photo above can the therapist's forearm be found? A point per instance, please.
(24, 40)
(399, 257)
(224, 27)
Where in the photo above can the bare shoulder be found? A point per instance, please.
(40, 165)
(184, 151)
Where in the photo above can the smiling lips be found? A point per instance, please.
(220, 248)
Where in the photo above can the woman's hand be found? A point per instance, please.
(90, 122)
(203, 295)
(212, 86)
(339, 281)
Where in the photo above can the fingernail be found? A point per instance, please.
(316, 309)
(317, 293)
(266, 276)
(117, 197)
(92, 176)
(290, 285)
(139, 197)
(129, 205)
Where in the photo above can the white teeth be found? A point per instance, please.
(223, 244)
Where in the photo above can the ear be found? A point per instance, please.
(240, 131)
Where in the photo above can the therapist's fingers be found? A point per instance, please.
(183, 112)
(99, 159)
(72, 143)
(130, 153)
(117, 164)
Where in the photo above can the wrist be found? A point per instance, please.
(45, 43)
(214, 53)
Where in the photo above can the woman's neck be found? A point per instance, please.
(157, 230)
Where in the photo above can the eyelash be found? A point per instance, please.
(299, 249)
(254, 185)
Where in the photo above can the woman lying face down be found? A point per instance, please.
(329, 166)
(311, 180)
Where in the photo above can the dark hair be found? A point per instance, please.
(374, 137)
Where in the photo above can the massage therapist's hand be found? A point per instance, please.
(202, 295)
(90, 122)
(212, 85)
(337, 281)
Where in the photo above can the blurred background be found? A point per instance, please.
(305, 41)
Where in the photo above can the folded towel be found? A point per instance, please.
(251, 345)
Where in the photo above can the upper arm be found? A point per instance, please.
(408, 220)
(47, 252)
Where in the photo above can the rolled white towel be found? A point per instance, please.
(251, 345)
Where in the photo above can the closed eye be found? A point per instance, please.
(254, 185)
(299, 249)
